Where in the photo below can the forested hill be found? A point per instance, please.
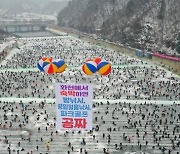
(139, 23)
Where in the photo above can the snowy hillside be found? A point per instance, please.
(144, 24)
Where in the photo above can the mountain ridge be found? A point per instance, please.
(143, 24)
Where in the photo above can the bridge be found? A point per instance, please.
(17, 28)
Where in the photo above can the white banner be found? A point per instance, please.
(74, 106)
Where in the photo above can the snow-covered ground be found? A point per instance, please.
(6, 44)
(27, 104)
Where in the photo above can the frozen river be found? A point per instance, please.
(135, 108)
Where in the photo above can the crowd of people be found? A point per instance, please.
(130, 78)
(73, 51)
(118, 127)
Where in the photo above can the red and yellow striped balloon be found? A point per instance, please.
(104, 68)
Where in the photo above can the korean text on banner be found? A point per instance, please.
(74, 106)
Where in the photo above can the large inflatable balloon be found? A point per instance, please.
(60, 65)
(41, 62)
(104, 68)
(49, 67)
(97, 60)
(89, 67)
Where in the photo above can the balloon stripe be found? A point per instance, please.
(91, 67)
(61, 69)
(45, 64)
(108, 71)
(101, 64)
(41, 63)
(59, 64)
(104, 69)
(87, 71)
(39, 67)
(51, 69)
